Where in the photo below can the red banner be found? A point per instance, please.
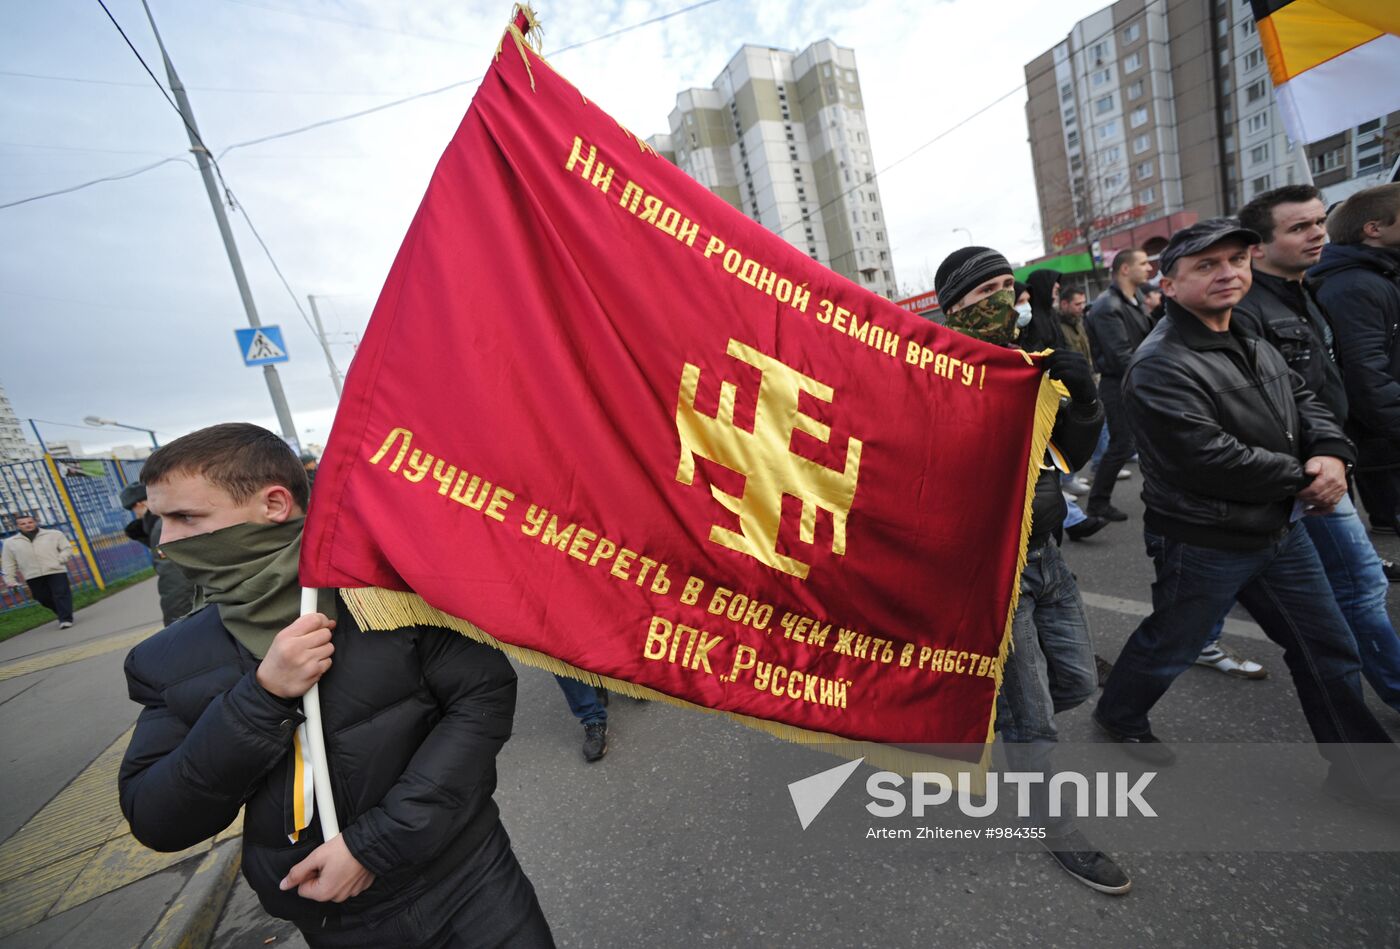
(633, 436)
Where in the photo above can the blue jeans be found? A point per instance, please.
(1359, 585)
(583, 700)
(1100, 448)
(1285, 589)
(1074, 514)
(1049, 669)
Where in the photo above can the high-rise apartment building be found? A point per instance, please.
(13, 445)
(782, 137)
(1152, 113)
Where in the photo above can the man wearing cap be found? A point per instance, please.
(175, 590)
(1050, 667)
(1235, 449)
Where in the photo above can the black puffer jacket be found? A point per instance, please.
(1284, 314)
(1360, 286)
(1116, 327)
(1222, 437)
(413, 721)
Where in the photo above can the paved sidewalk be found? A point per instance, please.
(71, 874)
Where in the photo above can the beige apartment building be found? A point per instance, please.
(782, 137)
(1151, 114)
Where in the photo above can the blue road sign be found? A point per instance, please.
(261, 345)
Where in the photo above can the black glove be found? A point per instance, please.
(1072, 369)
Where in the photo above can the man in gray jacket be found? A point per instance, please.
(40, 556)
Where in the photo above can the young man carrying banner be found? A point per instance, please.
(1050, 667)
(413, 721)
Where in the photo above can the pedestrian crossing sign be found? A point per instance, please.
(261, 345)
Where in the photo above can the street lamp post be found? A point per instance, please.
(965, 231)
(94, 420)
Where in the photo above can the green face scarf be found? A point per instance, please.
(250, 572)
(992, 319)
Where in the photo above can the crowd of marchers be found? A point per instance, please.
(1255, 377)
(1252, 370)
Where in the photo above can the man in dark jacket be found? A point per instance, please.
(175, 590)
(1358, 280)
(1117, 324)
(412, 719)
(1050, 667)
(1281, 309)
(1234, 449)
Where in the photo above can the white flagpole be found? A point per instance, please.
(320, 769)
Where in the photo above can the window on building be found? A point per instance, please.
(1247, 28)
(1070, 117)
(1107, 130)
(1369, 144)
(1132, 63)
(1098, 52)
(1329, 160)
(1141, 144)
(1072, 139)
(1101, 77)
(1226, 85)
(1253, 59)
(1103, 105)
(1222, 26)
(1075, 162)
(1135, 90)
(1111, 155)
(1139, 118)
(1113, 182)
(1230, 144)
(1259, 154)
(1259, 185)
(1256, 90)
(1131, 33)
(1147, 195)
(879, 235)
(1066, 91)
(1144, 170)
(1257, 122)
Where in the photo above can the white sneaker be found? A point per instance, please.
(65, 625)
(1124, 474)
(1231, 663)
(1076, 486)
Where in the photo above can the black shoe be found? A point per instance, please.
(595, 741)
(1391, 569)
(1102, 668)
(1091, 867)
(1088, 527)
(1146, 747)
(1107, 512)
(1380, 527)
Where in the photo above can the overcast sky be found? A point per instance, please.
(118, 301)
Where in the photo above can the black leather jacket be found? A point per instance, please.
(1286, 314)
(1117, 326)
(1222, 433)
(413, 721)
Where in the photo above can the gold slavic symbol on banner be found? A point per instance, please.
(765, 459)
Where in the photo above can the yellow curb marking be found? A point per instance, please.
(78, 847)
(61, 657)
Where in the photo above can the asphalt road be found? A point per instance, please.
(682, 835)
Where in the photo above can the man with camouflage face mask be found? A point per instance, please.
(1050, 667)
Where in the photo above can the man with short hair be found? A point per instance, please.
(1050, 666)
(1117, 324)
(1282, 309)
(1234, 449)
(1358, 280)
(413, 721)
(40, 556)
(1071, 313)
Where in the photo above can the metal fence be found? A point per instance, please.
(82, 498)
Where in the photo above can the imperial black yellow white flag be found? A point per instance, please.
(1335, 63)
